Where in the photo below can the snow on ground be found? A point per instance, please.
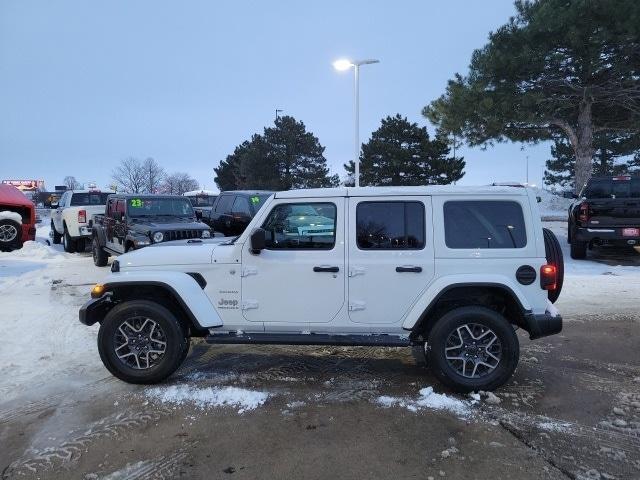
(589, 286)
(207, 397)
(552, 206)
(41, 290)
(428, 399)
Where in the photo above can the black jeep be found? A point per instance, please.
(136, 221)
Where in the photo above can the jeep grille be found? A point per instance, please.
(181, 234)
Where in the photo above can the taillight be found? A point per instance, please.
(82, 216)
(583, 212)
(548, 277)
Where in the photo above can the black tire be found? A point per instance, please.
(578, 249)
(484, 317)
(10, 235)
(100, 257)
(68, 241)
(175, 335)
(554, 257)
(57, 238)
(569, 233)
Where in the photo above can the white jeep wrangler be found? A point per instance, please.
(451, 271)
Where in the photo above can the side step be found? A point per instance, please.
(309, 339)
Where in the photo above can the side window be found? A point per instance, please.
(301, 226)
(120, 207)
(224, 205)
(484, 224)
(390, 225)
(241, 207)
(111, 208)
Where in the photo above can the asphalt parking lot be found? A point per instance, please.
(571, 411)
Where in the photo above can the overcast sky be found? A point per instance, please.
(86, 84)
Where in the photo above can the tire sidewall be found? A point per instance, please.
(483, 316)
(14, 242)
(177, 341)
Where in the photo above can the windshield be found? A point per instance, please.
(203, 200)
(150, 206)
(622, 187)
(91, 198)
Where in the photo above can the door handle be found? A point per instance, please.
(408, 269)
(326, 269)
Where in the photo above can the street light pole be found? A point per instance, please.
(345, 65)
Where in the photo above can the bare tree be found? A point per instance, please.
(179, 183)
(129, 176)
(154, 175)
(71, 183)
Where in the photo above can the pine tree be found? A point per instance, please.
(609, 149)
(401, 153)
(286, 156)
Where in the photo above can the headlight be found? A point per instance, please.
(206, 234)
(158, 237)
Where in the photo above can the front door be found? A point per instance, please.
(300, 277)
(391, 259)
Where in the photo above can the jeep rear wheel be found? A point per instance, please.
(472, 349)
(142, 342)
(100, 257)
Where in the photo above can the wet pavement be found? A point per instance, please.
(572, 410)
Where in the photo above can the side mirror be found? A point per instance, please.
(118, 216)
(54, 205)
(199, 214)
(258, 240)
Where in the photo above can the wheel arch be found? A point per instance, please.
(496, 296)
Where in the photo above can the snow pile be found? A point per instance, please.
(7, 215)
(35, 251)
(552, 205)
(428, 399)
(240, 398)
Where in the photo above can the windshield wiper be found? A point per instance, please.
(232, 241)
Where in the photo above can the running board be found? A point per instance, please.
(310, 339)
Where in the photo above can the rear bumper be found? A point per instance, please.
(545, 324)
(606, 236)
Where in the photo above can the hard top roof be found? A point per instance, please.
(403, 191)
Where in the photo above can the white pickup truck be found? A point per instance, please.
(72, 218)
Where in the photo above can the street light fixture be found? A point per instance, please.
(342, 65)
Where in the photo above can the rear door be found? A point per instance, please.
(391, 260)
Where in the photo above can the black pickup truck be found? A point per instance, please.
(607, 212)
(135, 221)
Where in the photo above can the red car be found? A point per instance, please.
(17, 218)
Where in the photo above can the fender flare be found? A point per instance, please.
(444, 284)
(186, 289)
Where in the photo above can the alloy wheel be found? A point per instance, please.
(473, 350)
(140, 343)
(8, 233)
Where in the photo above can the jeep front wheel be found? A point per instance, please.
(142, 342)
(472, 349)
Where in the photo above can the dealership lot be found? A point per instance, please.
(572, 409)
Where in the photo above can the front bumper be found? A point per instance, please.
(544, 324)
(95, 309)
(605, 236)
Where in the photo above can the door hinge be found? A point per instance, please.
(249, 304)
(246, 271)
(355, 271)
(353, 306)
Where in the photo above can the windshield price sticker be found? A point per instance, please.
(136, 203)
(255, 200)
